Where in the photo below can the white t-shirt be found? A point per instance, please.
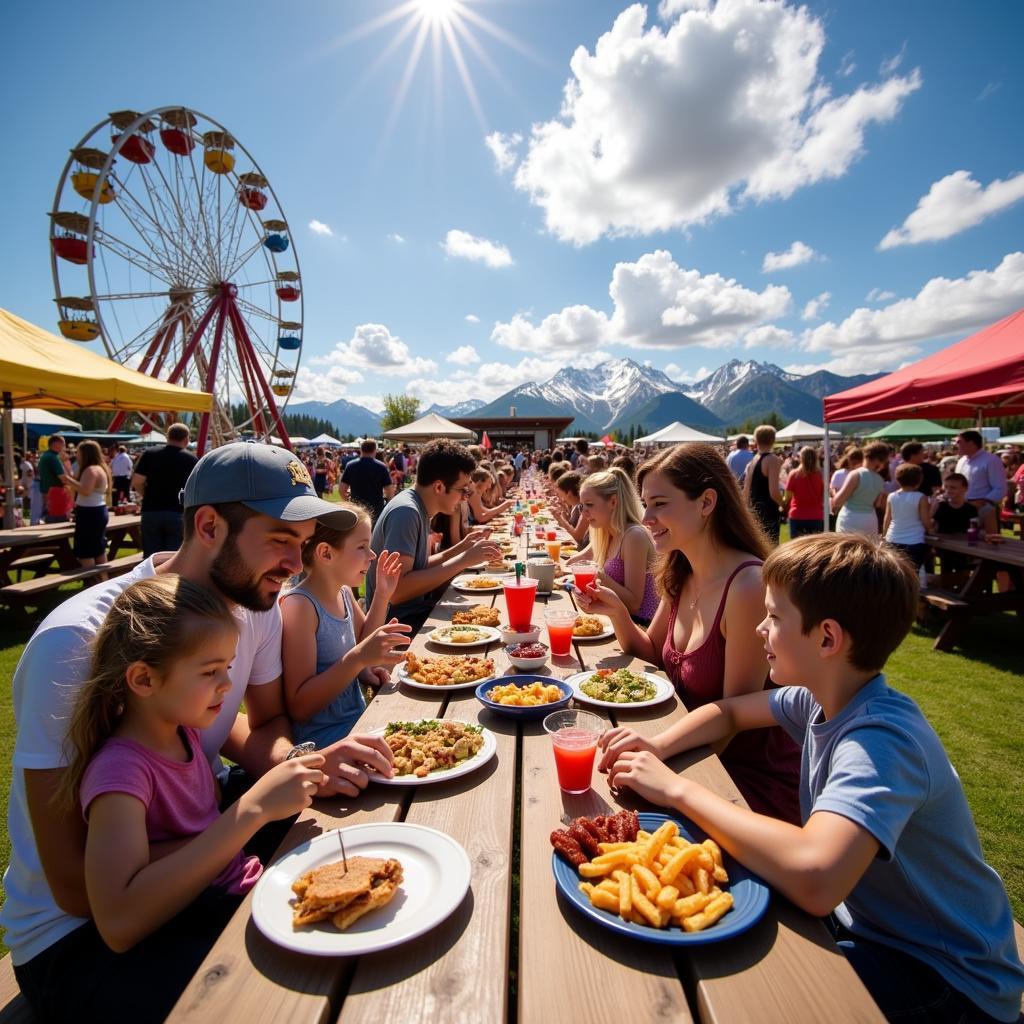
(52, 668)
(905, 526)
(121, 464)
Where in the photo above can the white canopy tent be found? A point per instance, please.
(36, 419)
(800, 430)
(153, 437)
(426, 428)
(678, 433)
(327, 441)
(1011, 439)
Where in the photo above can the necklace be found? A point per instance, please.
(700, 590)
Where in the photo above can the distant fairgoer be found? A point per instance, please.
(121, 470)
(159, 477)
(740, 457)
(761, 482)
(51, 468)
(367, 480)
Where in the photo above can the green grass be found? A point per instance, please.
(972, 698)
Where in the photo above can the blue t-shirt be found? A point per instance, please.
(403, 526)
(929, 891)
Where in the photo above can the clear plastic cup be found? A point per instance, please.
(574, 736)
(560, 626)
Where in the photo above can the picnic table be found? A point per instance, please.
(981, 594)
(513, 950)
(55, 539)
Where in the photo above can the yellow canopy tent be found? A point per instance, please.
(40, 370)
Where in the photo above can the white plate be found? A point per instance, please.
(663, 690)
(401, 674)
(489, 635)
(606, 634)
(460, 583)
(482, 756)
(436, 876)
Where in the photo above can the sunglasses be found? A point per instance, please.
(464, 491)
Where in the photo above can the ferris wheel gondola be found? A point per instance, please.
(169, 245)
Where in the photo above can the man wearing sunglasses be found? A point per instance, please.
(442, 482)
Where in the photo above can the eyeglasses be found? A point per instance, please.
(464, 491)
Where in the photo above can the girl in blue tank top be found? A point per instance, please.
(329, 647)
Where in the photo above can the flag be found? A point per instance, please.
(485, 442)
(607, 441)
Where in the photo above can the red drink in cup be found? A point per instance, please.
(584, 574)
(560, 627)
(538, 532)
(519, 598)
(574, 736)
(552, 534)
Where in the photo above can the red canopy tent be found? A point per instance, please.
(983, 374)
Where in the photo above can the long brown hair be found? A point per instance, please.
(324, 534)
(157, 621)
(694, 468)
(89, 453)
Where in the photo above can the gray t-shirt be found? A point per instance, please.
(403, 526)
(929, 892)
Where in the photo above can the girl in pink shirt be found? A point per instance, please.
(159, 675)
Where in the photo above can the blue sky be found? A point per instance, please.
(829, 186)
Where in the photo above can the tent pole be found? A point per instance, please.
(9, 469)
(826, 476)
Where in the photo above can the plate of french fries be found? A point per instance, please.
(672, 885)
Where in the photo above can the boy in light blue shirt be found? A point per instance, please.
(888, 842)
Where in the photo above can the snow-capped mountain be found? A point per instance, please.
(598, 397)
(466, 408)
(719, 386)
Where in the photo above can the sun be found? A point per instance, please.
(438, 12)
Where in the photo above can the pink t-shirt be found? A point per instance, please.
(179, 797)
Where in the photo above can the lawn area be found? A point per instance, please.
(972, 698)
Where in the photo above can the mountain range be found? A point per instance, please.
(621, 393)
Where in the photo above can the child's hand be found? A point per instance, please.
(380, 647)
(286, 789)
(617, 741)
(389, 571)
(375, 676)
(642, 772)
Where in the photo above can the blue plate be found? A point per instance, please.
(524, 714)
(749, 893)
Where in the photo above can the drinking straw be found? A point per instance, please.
(519, 572)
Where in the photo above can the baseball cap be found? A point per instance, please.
(264, 478)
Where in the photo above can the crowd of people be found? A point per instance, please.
(144, 799)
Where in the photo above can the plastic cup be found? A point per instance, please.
(538, 532)
(551, 534)
(519, 597)
(554, 549)
(584, 574)
(574, 736)
(560, 626)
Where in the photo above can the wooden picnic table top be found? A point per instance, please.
(513, 951)
(1007, 550)
(48, 533)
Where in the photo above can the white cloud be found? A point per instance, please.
(769, 336)
(503, 149)
(663, 127)
(324, 387)
(395, 237)
(954, 204)
(796, 254)
(463, 245)
(681, 376)
(655, 304)
(472, 318)
(318, 227)
(847, 66)
(374, 348)
(940, 309)
(990, 88)
(869, 361)
(879, 295)
(464, 355)
(891, 64)
(668, 9)
(816, 306)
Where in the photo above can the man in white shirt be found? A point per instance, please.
(986, 478)
(121, 471)
(249, 508)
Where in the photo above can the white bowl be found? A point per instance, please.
(526, 664)
(509, 636)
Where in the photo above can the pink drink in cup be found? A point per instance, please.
(584, 574)
(552, 534)
(538, 532)
(560, 627)
(574, 736)
(519, 598)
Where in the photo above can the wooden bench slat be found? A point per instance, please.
(41, 584)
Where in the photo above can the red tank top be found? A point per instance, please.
(764, 763)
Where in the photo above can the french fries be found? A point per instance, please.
(660, 880)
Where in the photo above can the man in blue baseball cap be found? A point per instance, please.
(248, 510)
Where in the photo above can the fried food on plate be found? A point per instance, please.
(447, 669)
(588, 625)
(421, 748)
(342, 893)
(478, 615)
(482, 583)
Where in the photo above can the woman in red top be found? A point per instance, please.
(703, 633)
(805, 495)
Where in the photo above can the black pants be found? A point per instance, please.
(81, 979)
(161, 531)
(768, 516)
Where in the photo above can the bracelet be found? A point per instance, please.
(300, 750)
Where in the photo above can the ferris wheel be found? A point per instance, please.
(170, 247)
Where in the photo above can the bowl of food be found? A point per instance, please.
(524, 696)
(510, 636)
(527, 654)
